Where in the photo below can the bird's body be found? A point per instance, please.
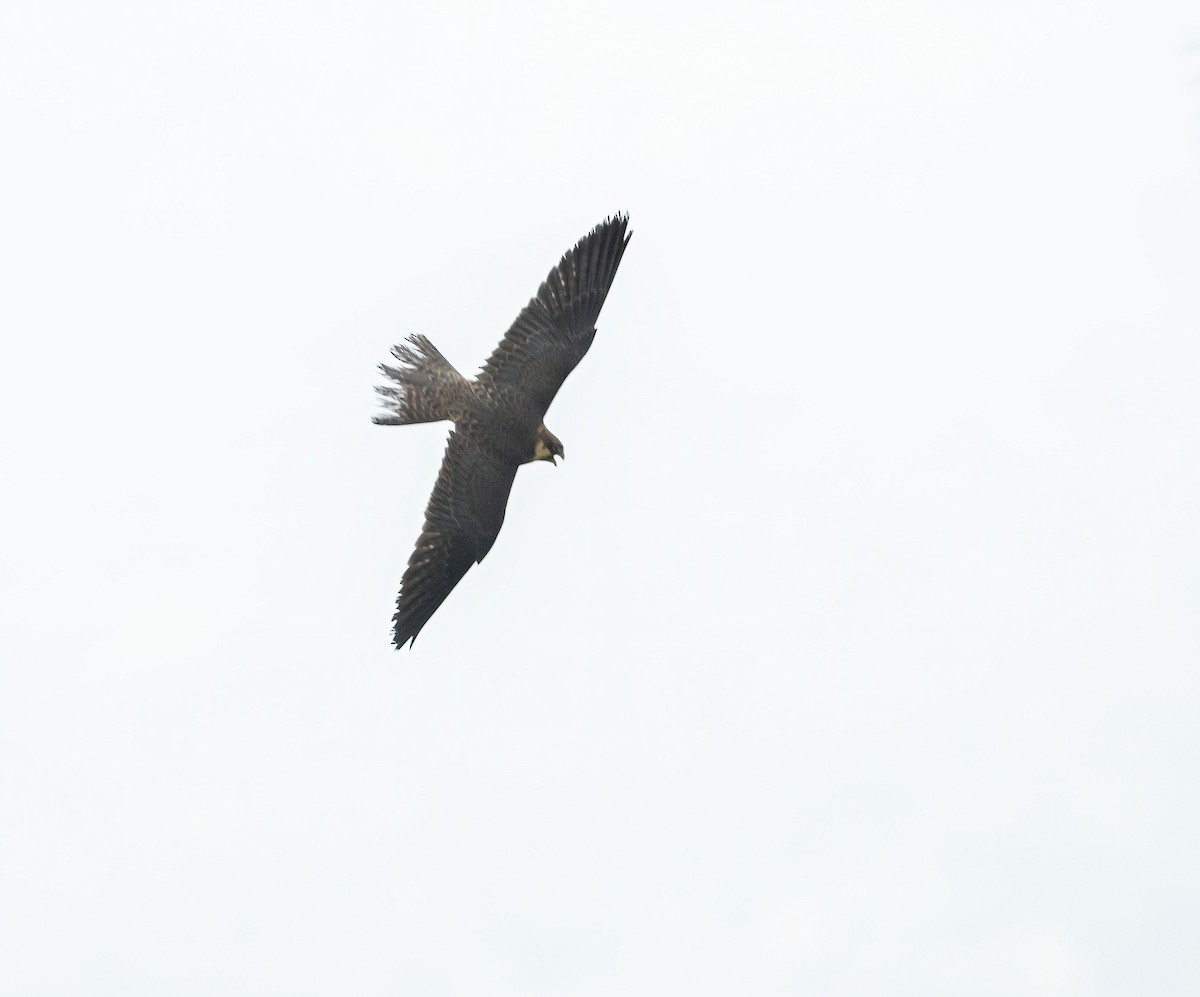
(497, 417)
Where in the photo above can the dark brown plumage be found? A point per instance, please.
(497, 417)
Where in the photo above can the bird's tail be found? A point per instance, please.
(425, 388)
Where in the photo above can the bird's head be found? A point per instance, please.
(547, 446)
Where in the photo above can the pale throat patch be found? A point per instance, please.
(540, 450)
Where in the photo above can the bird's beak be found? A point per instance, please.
(553, 461)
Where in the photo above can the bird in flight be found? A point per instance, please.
(497, 417)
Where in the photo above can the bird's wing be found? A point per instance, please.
(462, 519)
(555, 329)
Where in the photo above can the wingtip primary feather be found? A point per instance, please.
(405, 636)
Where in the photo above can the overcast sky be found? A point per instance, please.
(854, 648)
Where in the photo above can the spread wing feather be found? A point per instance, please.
(554, 331)
(463, 517)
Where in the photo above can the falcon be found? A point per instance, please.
(497, 417)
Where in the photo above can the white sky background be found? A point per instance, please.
(852, 651)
